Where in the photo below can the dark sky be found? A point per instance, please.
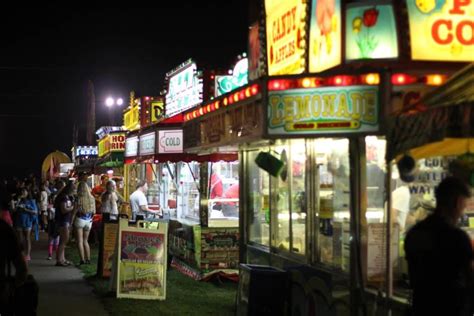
(47, 55)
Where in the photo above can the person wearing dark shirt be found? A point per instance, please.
(440, 255)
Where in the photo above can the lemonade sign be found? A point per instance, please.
(329, 110)
(442, 30)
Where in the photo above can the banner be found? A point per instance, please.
(108, 248)
(285, 41)
(142, 262)
(331, 110)
(441, 30)
(325, 35)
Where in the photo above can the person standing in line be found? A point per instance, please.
(98, 190)
(440, 256)
(64, 206)
(26, 211)
(43, 206)
(53, 228)
(85, 209)
(109, 200)
(138, 200)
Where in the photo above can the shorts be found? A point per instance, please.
(85, 224)
(24, 221)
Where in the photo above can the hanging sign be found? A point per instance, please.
(331, 110)
(285, 40)
(103, 146)
(142, 262)
(325, 35)
(239, 78)
(131, 146)
(147, 144)
(131, 117)
(170, 142)
(371, 32)
(184, 90)
(441, 30)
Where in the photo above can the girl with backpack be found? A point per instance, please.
(85, 209)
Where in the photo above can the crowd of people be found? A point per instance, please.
(61, 209)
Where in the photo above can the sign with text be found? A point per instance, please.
(116, 142)
(170, 142)
(86, 151)
(331, 110)
(131, 146)
(184, 90)
(325, 35)
(157, 110)
(239, 78)
(103, 146)
(441, 30)
(285, 40)
(142, 262)
(147, 144)
(371, 32)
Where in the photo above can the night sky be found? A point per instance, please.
(47, 55)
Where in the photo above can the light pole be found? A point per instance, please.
(110, 102)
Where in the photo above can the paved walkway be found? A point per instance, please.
(63, 290)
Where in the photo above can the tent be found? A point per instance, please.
(51, 164)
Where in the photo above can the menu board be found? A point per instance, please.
(142, 262)
(108, 248)
(377, 254)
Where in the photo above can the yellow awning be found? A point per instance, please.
(446, 147)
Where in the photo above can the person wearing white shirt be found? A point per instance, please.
(138, 200)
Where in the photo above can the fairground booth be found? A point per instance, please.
(111, 148)
(84, 159)
(328, 80)
(56, 165)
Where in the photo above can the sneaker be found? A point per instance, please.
(81, 263)
(49, 258)
(88, 262)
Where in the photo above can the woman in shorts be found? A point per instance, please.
(64, 205)
(85, 209)
(26, 211)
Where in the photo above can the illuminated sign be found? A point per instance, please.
(330, 110)
(131, 146)
(325, 35)
(86, 151)
(239, 78)
(285, 36)
(116, 142)
(103, 146)
(65, 168)
(131, 117)
(147, 144)
(441, 30)
(170, 142)
(371, 32)
(184, 90)
(105, 130)
(157, 110)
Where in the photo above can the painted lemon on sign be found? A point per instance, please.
(426, 6)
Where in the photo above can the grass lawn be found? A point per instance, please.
(184, 296)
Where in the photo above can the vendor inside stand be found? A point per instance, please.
(224, 190)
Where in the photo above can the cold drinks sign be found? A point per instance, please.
(170, 142)
(442, 30)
